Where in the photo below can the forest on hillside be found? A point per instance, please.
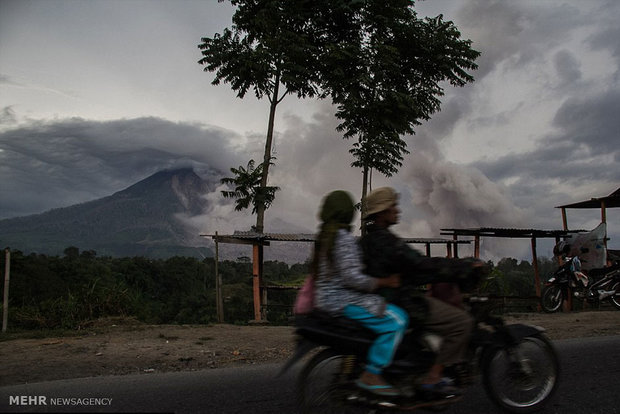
(48, 292)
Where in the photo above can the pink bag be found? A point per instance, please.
(304, 303)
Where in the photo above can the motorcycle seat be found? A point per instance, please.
(351, 337)
(325, 329)
(598, 273)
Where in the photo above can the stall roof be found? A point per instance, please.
(251, 237)
(264, 238)
(611, 201)
(509, 233)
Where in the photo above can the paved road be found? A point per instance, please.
(590, 384)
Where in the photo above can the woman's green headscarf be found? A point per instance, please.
(336, 213)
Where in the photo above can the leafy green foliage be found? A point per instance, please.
(51, 292)
(381, 65)
(385, 78)
(247, 188)
(513, 278)
(271, 44)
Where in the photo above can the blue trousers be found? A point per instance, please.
(390, 329)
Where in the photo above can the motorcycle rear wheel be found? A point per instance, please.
(522, 378)
(615, 298)
(551, 298)
(321, 387)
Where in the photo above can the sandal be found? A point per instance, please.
(385, 390)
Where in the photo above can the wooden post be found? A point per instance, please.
(477, 246)
(219, 300)
(604, 220)
(456, 246)
(428, 250)
(264, 301)
(257, 261)
(568, 303)
(535, 264)
(5, 303)
(564, 221)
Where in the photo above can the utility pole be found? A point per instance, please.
(5, 303)
(219, 300)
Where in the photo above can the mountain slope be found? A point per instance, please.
(137, 221)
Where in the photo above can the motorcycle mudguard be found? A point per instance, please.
(508, 335)
(519, 331)
(511, 334)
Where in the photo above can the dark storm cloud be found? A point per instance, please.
(591, 122)
(514, 32)
(6, 80)
(585, 148)
(608, 39)
(7, 116)
(567, 67)
(609, 33)
(59, 163)
(580, 161)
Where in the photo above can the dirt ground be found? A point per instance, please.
(117, 346)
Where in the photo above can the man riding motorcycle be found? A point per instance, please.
(385, 254)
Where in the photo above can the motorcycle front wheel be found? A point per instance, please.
(521, 378)
(615, 298)
(551, 298)
(325, 383)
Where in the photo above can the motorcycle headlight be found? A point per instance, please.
(551, 279)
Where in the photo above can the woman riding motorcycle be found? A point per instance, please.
(342, 289)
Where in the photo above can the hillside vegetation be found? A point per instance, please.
(49, 292)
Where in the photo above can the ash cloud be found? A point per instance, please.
(445, 195)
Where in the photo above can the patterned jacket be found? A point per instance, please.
(343, 282)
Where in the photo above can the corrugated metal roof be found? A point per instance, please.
(305, 237)
(509, 233)
(434, 240)
(289, 237)
(611, 201)
(262, 237)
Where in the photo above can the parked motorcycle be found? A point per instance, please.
(518, 364)
(595, 286)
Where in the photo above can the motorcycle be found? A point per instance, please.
(517, 362)
(596, 286)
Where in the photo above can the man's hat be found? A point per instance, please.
(379, 199)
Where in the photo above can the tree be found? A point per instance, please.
(272, 44)
(385, 79)
(381, 65)
(248, 190)
(72, 252)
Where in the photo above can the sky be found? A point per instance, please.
(96, 95)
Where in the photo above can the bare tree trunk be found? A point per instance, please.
(260, 207)
(5, 302)
(364, 192)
